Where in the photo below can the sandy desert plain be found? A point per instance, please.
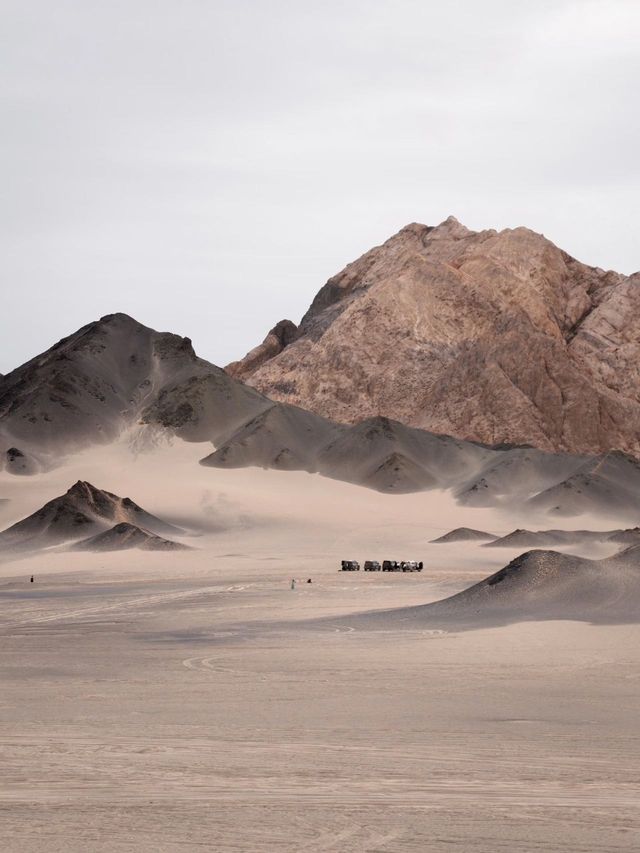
(173, 701)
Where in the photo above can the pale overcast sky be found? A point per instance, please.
(205, 165)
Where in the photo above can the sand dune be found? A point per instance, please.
(198, 697)
(287, 516)
(252, 509)
(158, 697)
(377, 453)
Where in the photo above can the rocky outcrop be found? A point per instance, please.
(282, 334)
(490, 336)
(18, 462)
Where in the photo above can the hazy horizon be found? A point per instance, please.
(206, 167)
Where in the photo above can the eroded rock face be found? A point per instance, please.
(498, 337)
(282, 334)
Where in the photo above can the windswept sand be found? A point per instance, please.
(174, 701)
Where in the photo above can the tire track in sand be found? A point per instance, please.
(142, 602)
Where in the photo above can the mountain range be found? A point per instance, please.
(542, 538)
(490, 364)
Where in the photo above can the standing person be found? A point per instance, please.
(293, 583)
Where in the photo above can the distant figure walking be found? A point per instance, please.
(293, 583)
(31, 578)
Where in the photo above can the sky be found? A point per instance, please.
(206, 165)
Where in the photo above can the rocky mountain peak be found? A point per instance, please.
(493, 336)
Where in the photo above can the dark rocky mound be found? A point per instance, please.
(124, 536)
(626, 537)
(550, 538)
(18, 462)
(377, 453)
(389, 456)
(282, 437)
(515, 473)
(463, 534)
(82, 511)
(546, 584)
(399, 474)
(537, 585)
(608, 484)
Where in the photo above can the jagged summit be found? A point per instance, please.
(493, 336)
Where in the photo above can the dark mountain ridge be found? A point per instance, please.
(116, 375)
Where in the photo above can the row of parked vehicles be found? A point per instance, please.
(386, 566)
